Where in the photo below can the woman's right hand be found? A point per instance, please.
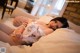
(25, 23)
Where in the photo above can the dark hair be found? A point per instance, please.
(62, 20)
(26, 43)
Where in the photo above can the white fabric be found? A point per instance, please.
(74, 27)
(45, 19)
(60, 41)
(32, 32)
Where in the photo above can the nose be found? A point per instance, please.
(54, 26)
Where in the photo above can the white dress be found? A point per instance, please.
(32, 33)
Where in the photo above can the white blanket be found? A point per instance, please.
(60, 41)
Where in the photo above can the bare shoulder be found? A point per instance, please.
(48, 31)
(45, 28)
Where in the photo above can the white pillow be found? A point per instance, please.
(45, 19)
(62, 40)
(63, 34)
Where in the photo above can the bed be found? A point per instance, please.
(64, 40)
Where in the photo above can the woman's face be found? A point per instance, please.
(55, 24)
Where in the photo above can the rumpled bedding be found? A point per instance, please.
(62, 40)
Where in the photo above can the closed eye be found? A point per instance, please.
(56, 25)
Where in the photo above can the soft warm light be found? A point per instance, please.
(48, 5)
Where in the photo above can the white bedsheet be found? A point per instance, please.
(61, 41)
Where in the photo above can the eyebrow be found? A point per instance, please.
(55, 21)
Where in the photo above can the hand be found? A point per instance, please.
(25, 23)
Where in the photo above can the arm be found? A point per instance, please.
(6, 38)
(6, 29)
(19, 30)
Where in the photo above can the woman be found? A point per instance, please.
(30, 33)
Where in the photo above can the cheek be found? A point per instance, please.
(51, 25)
(60, 24)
